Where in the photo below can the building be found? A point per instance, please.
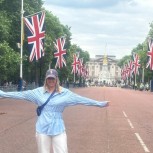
(104, 69)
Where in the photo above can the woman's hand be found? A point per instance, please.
(108, 102)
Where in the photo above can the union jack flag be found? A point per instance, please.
(124, 72)
(75, 63)
(130, 68)
(35, 34)
(80, 67)
(85, 72)
(136, 64)
(59, 46)
(150, 54)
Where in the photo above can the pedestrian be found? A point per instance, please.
(19, 87)
(135, 87)
(67, 84)
(147, 86)
(50, 128)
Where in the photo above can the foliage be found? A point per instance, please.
(124, 60)
(9, 61)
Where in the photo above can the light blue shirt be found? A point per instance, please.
(50, 122)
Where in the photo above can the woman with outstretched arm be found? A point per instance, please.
(50, 128)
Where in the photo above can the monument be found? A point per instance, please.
(104, 74)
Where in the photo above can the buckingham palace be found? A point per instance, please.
(104, 69)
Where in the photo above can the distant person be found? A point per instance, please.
(50, 128)
(24, 85)
(147, 86)
(19, 86)
(135, 86)
(141, 86)
(73, 84)
(67, 84)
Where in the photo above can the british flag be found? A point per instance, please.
(75, 63)
(85, 72)
(136, 64)
(126, 71)
(59, 46)
(150, 54)
(35, 34)
(80, 67)
(123, 74)
(130, 68)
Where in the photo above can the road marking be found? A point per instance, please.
(124, 114)
(142, 143)
(130, 123)
(137, 134)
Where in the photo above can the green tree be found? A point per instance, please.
(124, 60)
(9, 62)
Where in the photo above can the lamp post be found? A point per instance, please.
(21, 48)
(143, 74)
(50, 65)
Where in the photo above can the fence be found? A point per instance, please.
(14, 87)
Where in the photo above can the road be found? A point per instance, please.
(124, 127)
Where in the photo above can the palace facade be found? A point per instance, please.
(104, 69)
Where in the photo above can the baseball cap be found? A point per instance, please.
(51, 73)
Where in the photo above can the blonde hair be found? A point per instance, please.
(58, 88)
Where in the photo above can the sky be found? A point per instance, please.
(112, 27)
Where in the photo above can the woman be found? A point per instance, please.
(50, 128)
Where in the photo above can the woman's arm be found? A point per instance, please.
(75, 99)
(28, 95)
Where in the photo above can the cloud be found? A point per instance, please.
(119, 24)
(84, 3)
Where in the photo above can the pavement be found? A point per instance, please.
(124, 127)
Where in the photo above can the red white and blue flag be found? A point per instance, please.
(136, 64)
(85, 72)
(75, 63)
(150, 54)
(35, 34)
(130, 68)
(124, 73)
(59, 46)
(80, 67)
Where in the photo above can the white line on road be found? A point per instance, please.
(142, 143)
(137, 134)
(130, 123)
(124, 114)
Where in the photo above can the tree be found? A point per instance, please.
(124, 60)
(9, 61)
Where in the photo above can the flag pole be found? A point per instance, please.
(143, 74)
(135, 81)
(21, 48)
(74, 77)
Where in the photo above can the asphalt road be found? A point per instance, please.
(124, 127)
